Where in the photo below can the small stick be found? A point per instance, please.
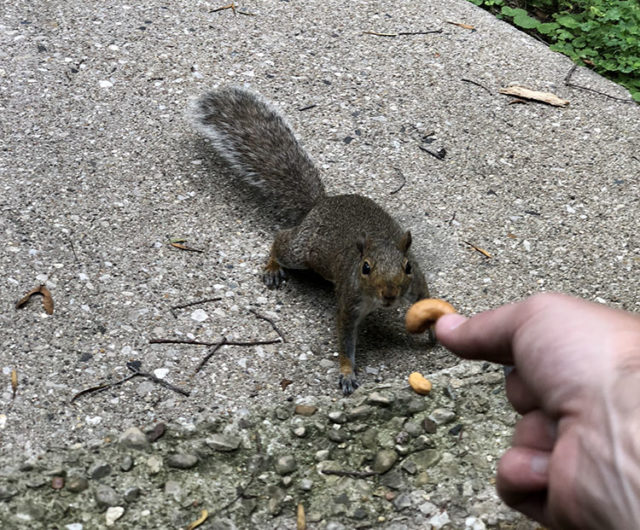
(202, 343)
(404, 181)
(453, 218)
(420, 32)
(401, 33)
(133, 366)
(354, 474)
(101, 387)
(182, 246)
(231, 6)
(478, 249)
(475, 83)
(204, 301)
(567, 82)
(379, 34)
(75, 256)
(241, 490)
(211, 352)
(273, 324)
(308, 107)
(439, 154)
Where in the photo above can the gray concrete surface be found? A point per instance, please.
(99, 169)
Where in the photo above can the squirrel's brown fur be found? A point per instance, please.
(348, 239)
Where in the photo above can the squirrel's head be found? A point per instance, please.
(385, 269)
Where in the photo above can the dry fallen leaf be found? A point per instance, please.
(526, 93)
(182, 246)
(47, 300)
(284, 383)
(203, 517)
(478, 249)
(301, 520)
(14, 382)
(462, 25)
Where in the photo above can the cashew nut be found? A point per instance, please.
(419, 383)
(424, 313)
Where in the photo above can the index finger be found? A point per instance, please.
(487, 336)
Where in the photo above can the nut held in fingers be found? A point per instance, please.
(424, 314)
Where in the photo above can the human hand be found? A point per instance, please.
(575, 455)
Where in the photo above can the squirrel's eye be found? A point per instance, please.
(407, 267)
(366, 268)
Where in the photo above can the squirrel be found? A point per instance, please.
(348, 239)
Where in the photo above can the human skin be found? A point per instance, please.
(574, 460)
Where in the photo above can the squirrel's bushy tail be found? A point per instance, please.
(258, 144)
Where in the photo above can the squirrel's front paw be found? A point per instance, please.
(348, 383)
(274, 274)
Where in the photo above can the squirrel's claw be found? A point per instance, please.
(274, 278)
(348, 383)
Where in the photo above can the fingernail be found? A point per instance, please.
(540, 464)
(451, 322)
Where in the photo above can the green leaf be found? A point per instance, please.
(547, 28)
(567, 21)
(525, 21)
(511, 12)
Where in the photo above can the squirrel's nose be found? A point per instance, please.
(389, 295)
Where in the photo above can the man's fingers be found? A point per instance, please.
(519, 394)
(488, 335)
(522, 469)
(535, 430)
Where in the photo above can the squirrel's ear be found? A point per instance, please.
(405, 242)
(363, 243)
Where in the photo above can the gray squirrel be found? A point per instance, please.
(347, 239)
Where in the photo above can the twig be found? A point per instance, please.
(231, 6)
(73, 250)
(401, 33)
(428, 32)
(354, 474)
(241, 490)
(375, 33)
(211, 352)
(478, 249)
(439, 154)
(182, 246)
(450, 221)
(404, 181)
(567, 82)
(203, 343)
(134, 366)
(101, 387)
(273, 324)
(204, 301)
(308, 107)
(476, 83)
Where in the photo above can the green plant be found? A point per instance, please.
(603, 34)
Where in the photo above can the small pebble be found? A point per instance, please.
(182, 461)
(285, 464)
(113, 514)
(384, 460)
